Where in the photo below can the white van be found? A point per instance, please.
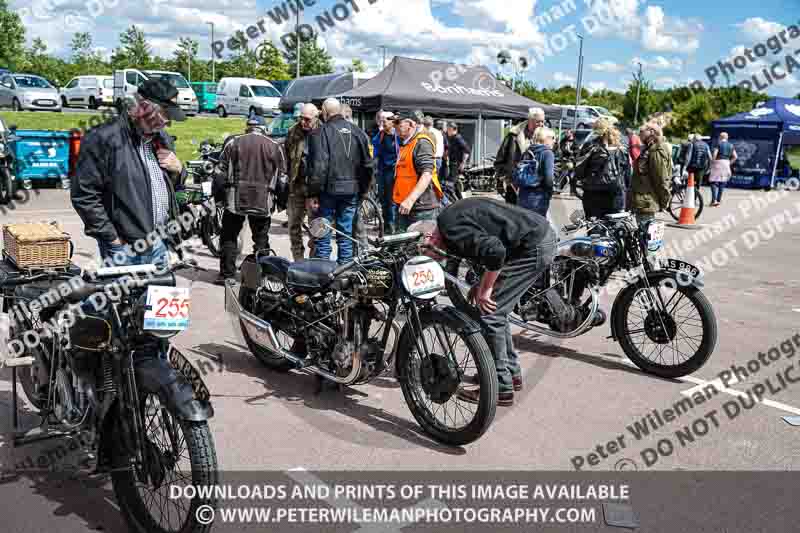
(90, 91)
(245, 96)
(127, 81)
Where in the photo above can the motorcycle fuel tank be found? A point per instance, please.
(598, 248)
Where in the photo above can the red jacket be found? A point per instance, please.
(634, 147)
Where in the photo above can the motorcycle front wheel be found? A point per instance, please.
(177, 452)
(457, 357)
(268, 358)
(666, 329)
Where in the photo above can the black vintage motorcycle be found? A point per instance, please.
(197, 199)
(335, 321)
(108, 372)
(660, 317)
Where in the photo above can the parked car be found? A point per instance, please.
(89, 91)
(27, 91)
(603, 112)
(127, 81)
(247, 96)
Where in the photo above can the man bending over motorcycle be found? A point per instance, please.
(515, 246)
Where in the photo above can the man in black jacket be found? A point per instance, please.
(250, 168)
(339, 174)
(125, 178)
(458, 152)
(515, 246)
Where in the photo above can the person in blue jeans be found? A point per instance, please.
(385, 149)
(339, 174)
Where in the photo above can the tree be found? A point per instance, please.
(357, 66)
(81, 47)
(648, 102)
(12, 38)
(134, 48)
(186, 52)
(313, 60)
(271, 65)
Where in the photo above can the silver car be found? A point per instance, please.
(28, 92)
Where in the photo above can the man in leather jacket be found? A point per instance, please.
(339, 174)
(250, 168)
(125, 179)
(514, 145)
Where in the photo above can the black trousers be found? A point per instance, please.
(601, 203)
(231, 228)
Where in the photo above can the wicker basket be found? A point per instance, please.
(36, 245)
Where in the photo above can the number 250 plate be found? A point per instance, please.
(167, 308)
(423, 277)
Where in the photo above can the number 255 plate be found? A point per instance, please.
(167, 308)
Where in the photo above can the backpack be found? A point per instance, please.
(611, 175)
(526, 173)
(700, 158)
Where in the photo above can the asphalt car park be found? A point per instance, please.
(582, 406)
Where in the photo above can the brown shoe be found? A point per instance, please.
(505, 399)
(515, 380)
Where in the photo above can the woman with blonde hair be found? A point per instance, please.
(533, 178)
(604, 171)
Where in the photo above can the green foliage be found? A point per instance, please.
(357, 66)
(271, 65)
(12, 38)
(313, 60)
(134, 49)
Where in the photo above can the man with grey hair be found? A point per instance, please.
(347, 112)
(297, 146)
(515, 144)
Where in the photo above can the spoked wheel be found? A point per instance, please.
(176, 453)
(268, 358)
(369, 222)
(676, 203)
(467, 273)
(668, 329)
(433, 367)
(212, 232)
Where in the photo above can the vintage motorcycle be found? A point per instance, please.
(109, 373)
(335, 321)
(660, 317)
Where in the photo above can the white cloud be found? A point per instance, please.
(662, 35)
(758, 29)
(608, 66)
(594, 86)
(560, 77)
(613, 18)
(511, 15)
(659, 63)
(665, 82)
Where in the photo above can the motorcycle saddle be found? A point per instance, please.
(310, 274)
(306, 275)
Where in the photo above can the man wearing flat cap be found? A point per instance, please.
(417, 191)
(125, 178)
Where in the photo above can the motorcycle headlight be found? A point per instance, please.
(570, 165)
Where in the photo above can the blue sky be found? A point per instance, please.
(676, 40)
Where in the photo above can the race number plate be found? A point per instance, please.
(655, 236)
(681, 266)
(207, 188)
(180, 363)
(423, 277)
(167, 308)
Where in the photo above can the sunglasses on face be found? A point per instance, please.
(307, 119)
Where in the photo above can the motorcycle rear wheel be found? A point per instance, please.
(268, 358)
(431, 383)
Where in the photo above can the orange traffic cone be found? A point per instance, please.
(686, 218)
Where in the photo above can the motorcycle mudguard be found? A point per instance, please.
(178, 384)
(444, 314)
(655, 277)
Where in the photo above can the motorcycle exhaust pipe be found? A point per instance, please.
(580, 330)
(260, 332)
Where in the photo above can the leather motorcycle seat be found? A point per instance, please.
(306, 275)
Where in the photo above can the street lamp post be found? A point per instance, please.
(579, 82)
(638, 91)
(519, 65)
(213, 63)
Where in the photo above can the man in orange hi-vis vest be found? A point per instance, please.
(417, 191)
